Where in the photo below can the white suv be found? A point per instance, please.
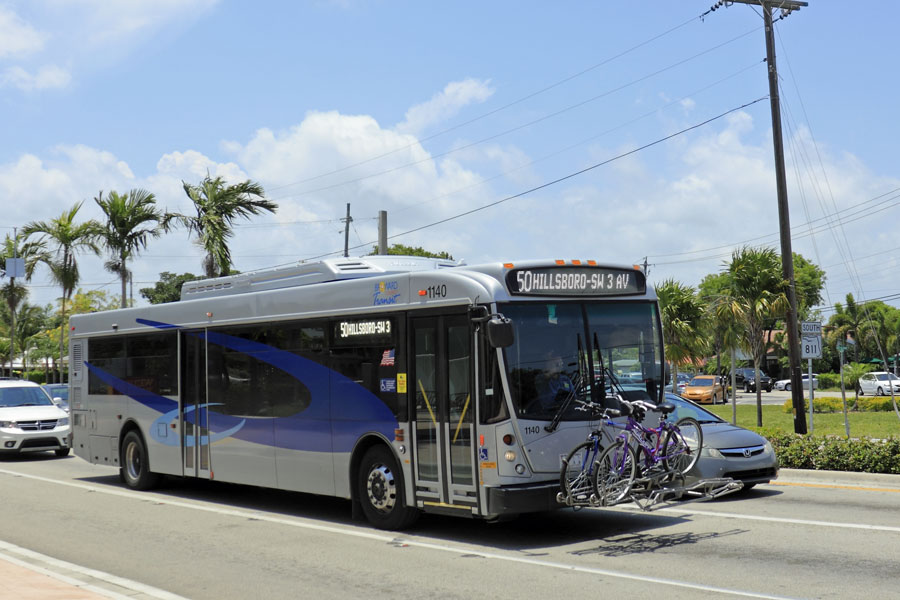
(30, 421)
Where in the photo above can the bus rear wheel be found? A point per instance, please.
(134, 468)
(380, 491)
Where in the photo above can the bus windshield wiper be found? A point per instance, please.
(577, 384)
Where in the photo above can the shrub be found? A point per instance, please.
(830, 404)
(835, 454)
(829, 380)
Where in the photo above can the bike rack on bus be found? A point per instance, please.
(654, 492)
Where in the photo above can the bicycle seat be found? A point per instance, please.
(665, 408)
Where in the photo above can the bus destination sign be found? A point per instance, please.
(576, 281)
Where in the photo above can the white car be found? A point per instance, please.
(785, 384)
(878, 383)
(30, 421)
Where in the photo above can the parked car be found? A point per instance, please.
(705, 389)
(785, 384)
(30, 421)
(683, 379)
(59, 393)
(878, 383)
(746, 378)
(728, 450)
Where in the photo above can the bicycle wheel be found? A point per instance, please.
(614, 473)
(575, 475)
(683, 444)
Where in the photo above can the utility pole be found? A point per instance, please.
(347, 222)
(784, 222)
(382, 232)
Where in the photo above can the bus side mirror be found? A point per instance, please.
(499, 331)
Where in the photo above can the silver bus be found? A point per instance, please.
(403, 384)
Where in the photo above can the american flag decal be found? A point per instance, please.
(387, 359)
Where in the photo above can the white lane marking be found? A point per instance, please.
(365, 534)
(725, 515)
(15, 554)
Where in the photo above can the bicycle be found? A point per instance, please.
(669, 451)
(576, 475)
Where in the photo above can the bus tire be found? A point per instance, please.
(380, 490)
(134, 469)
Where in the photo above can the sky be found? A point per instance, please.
(495, 131)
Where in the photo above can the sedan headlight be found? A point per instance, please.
(9, 425)
(769, 449)
(62, 422)
(711, 452)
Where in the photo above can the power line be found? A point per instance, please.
(564, 178)
(501, 108)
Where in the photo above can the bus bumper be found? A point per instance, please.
(522, 498)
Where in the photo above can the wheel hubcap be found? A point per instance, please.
(381, 488)
(133, 461)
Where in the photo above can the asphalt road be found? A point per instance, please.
(796, 539)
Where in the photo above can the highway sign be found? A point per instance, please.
(811, 339)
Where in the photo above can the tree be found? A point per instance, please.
(756, 296)
(401, 250)
(217, 206)
(168, 288)
(726, 329)
(67, 238)
(131, 220)
(851, 319)
(809, 280)
(12, 293)
(682, 317)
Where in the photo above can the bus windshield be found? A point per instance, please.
(561, 349)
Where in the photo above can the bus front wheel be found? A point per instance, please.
(381, 491)
(134, 469)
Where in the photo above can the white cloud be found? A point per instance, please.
(18, 38)
(445, 104)
(46, 77)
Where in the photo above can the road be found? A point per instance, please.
(207, 540)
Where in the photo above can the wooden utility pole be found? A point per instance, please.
(784, 221)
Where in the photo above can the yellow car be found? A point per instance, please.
(704, 389)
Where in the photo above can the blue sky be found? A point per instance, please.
(429, 110)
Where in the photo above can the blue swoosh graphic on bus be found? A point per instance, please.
(189, 440)
(322, 427)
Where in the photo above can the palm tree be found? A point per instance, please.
(67, 238)
(131, 220)
(852, 320)
(682, 316)
(13, 294)
(217, 206)
(755, 296)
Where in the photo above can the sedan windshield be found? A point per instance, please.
(702, 382)
(23, 396)
(565, 354)
(886, 377)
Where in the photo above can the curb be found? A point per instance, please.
(880, 480)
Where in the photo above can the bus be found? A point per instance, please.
(404, 384)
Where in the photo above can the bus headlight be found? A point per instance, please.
(510, 455)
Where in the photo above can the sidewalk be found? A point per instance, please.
(839, 478)
(27, 575)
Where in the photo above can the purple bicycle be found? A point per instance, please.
(642, 458)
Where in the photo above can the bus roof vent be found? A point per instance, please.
(300, 274)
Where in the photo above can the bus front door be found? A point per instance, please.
(193, 406)
(444, 412)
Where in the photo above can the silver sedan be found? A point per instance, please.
(728, 450)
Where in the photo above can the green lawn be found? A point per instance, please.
(862, 424)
